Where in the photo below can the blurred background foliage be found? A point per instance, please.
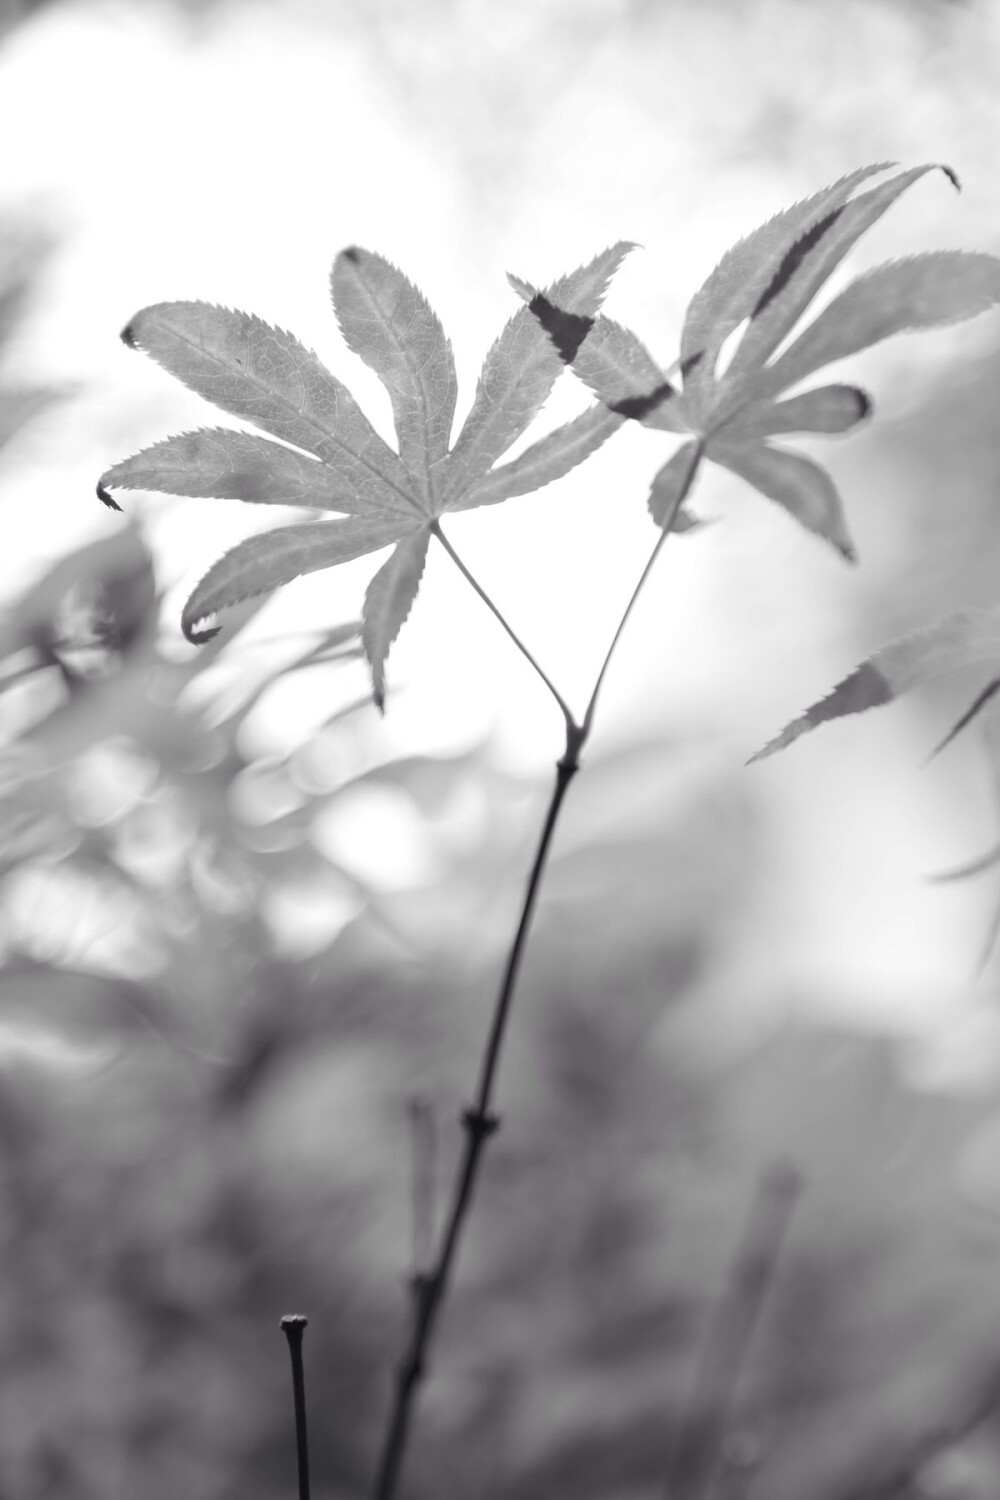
(235, 1037)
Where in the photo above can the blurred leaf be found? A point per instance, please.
(968, 638)
(829, 408)
(799, 486)
(670, 483)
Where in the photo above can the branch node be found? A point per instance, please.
(480, 1124)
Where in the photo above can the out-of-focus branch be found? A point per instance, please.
(702, 1429)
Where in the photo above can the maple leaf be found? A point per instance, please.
(956, 643)
(329, 457)
(967, 638)
(767, 281)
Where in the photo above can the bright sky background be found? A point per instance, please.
(227, 157)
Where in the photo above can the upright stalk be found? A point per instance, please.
(478, 1122)
(293, 1327)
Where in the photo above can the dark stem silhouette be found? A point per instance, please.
(478, 1121)
(294, 1327)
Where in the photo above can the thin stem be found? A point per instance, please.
(681, 496)
(422, 1195)
(479, 1125)
(460, 565)
(294, 1327)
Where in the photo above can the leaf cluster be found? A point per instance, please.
(756, 296)
(330, 458)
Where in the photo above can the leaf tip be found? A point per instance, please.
(764, 753)
(105, 498)
(352, 253)
(128, 337)
(524, 289)
(194, 635)
(952, 176)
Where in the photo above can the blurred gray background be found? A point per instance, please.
(250, 932)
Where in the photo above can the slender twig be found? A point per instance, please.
(478, 1122)
(423, 1172)
(681, 496)
(698, 1443)
(294, 1327)
(567, 712)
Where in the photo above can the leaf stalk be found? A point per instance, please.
(682, 494)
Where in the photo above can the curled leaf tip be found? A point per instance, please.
(352, 253)
(952, 177)
(128, 338)
(199, 637)
(105, 498)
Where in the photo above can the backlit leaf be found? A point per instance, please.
(814, 260)
(388, 322)
(828, 409)
(521, 369)
(923, 291)
(619, 369)
(216, 462)
(550, 458)
(797, 484)
(388, 601)
(613, 362)
(968, 638)
(670, 484)
(266, 376)
(745, 273)
(264, 562)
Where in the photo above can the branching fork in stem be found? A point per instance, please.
(478, 1122)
